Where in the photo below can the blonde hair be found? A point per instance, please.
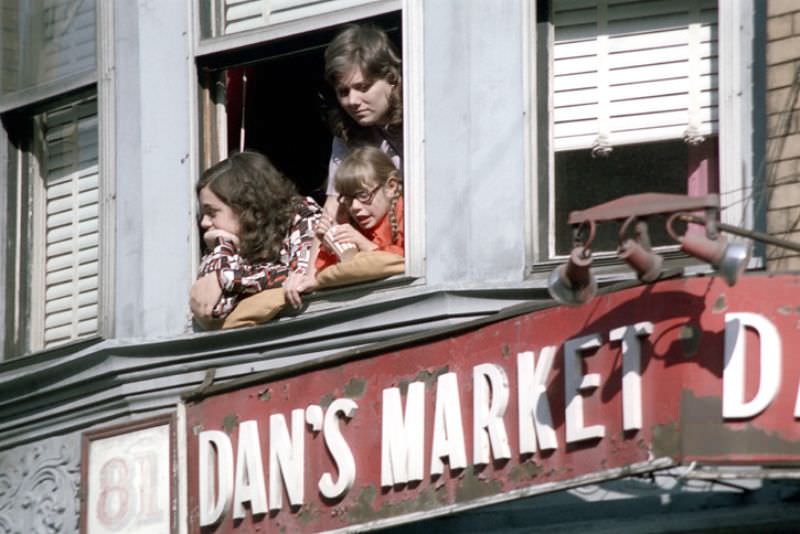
(369, 165)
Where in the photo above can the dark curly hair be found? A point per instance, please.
(264, 200)
(368, 47)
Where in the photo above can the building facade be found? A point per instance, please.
(516, 113)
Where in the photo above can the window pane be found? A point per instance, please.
(583, 181)
(44, 41)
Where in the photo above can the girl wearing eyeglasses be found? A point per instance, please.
(370, 192)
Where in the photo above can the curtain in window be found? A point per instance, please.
(633, 71)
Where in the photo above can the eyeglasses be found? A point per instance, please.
(365, 197)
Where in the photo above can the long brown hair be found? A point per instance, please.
(368, 47)
(369, 165)
(264, 200)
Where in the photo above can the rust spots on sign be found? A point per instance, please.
(471, 485)
(705, 433)
(364, 508)
(326, 400)
(527, 470)
(505, 351)
(689, 336)
(720, 305)
(428, 377)
(265, 395)
(785, 310)
(355, 388)
(196, 429)
(666, 440)
(229, 423)
(308, 513)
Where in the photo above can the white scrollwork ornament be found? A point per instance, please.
(39, 487)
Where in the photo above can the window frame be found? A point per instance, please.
(20, 336)
(210, 141)
(735, 148)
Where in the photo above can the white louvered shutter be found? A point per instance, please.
(633, 71)
(45, 41)
(71, 200)
(242, 15)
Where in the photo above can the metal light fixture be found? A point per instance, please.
(729, 259)
(573, 283)
(636, 251)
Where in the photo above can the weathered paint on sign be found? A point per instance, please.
(686, 369)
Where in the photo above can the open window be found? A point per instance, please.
(272, 97)
(633, 107)
(265, 90)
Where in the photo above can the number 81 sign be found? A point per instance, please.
(127, 478)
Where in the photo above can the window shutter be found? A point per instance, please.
(9, 47)
(71, 200)
(242, 15)
(633, 71)
(45, 41)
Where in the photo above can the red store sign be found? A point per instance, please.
(638, 379)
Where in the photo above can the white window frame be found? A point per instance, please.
(735, 32)
(413, 84)
(21, 335)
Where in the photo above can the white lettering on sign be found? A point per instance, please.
(248, 485)
(286, 457)
(489, 402)
(403, 438)
(535, 420)
(734, 405)
(575, 383)
(631, 371)
(216, 463)
(448, 430)
(340, 451)
(234, 488)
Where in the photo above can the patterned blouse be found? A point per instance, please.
(240, 278)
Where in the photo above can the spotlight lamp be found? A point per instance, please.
(729, 259)
(573, 283)
(635, 251)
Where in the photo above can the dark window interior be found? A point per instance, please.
(582, 181)
(285, 101)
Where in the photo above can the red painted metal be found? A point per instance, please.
(642, 205)
(682, 364)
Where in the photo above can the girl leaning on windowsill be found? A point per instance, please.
(260, 234)
(370, 193)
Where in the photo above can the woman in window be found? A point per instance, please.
(364, 69)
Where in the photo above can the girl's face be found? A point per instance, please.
(216, 214)
(366, 101)
(369, 206)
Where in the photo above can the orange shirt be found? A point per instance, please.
(381, 235)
